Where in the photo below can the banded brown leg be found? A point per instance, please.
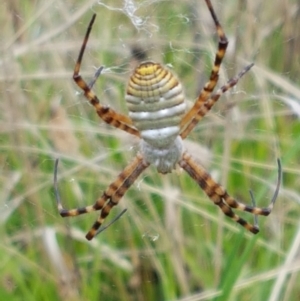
(109, 198)
(221, 198)
(107, 114)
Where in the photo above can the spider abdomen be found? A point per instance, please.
(156, 103)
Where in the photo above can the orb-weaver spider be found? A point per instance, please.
(157, 115)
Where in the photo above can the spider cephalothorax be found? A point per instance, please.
(158, 116)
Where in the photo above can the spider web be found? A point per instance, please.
(147, 21)
(183, 38)
(167, 216)
(131, 9)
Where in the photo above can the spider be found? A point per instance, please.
(158, 116)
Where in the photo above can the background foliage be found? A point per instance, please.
(172, 243)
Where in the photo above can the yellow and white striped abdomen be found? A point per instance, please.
(156, 104)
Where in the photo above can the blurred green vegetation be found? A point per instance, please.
(172, 243)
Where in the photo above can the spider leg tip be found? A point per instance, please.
(279, 166)
(250, 66)
(56, 165)
(89, 236)
(55, 181)
(278, 184)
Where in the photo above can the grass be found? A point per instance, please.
(172, 243)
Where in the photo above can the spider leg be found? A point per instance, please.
(108, 115)
(255, 223)
(76, 211)
(101, 229)
(221, 198)
(253, 209)
(214, 76)
(110, 197)
(96, 75)
(208, 104)
(117, 189)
